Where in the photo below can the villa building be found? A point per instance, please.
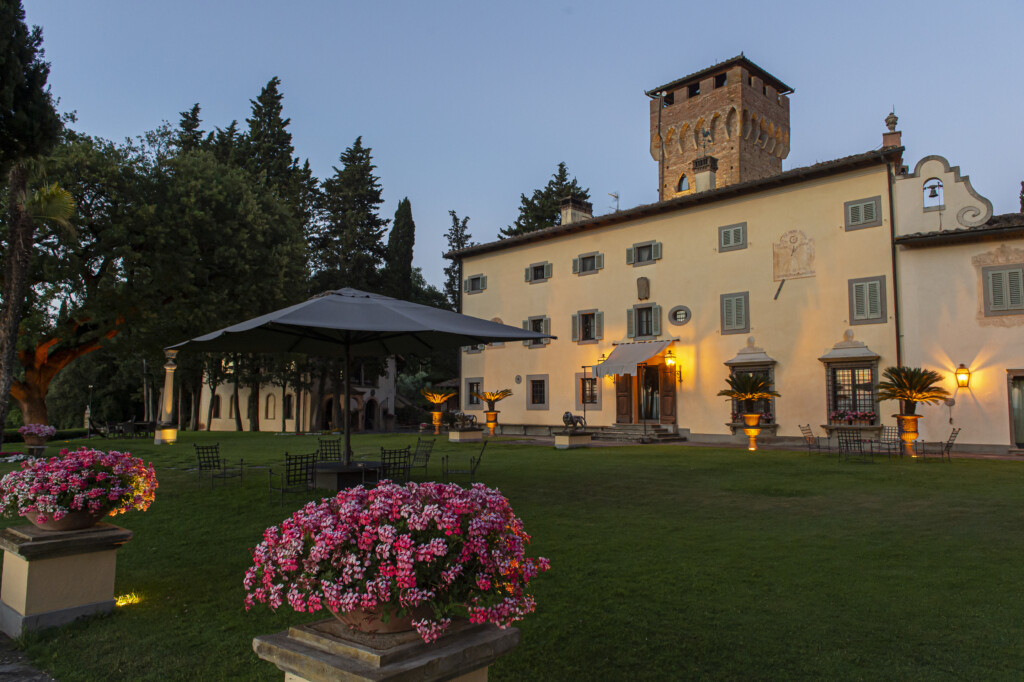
(816, 277)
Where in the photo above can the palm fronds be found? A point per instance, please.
(911, 385)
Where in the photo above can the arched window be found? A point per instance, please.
(932, 193)
(215, 413)
(683, 184)
(231, 407)
(270, 408)
(288, 406)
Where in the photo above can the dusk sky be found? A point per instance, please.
(466, 105)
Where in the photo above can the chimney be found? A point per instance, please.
(704, 169)
(893, 138)
(575, 210)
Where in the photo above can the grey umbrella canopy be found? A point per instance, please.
(349, 322)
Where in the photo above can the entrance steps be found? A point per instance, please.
(635, 433)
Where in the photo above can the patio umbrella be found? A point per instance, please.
(348, 322)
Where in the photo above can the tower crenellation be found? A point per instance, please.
(735, 111)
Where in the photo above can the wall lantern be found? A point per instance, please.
(670, 362)
(963, 376)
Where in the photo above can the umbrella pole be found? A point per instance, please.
(348, 404)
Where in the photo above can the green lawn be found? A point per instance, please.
(667, 562)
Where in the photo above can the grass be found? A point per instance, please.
(667, 562)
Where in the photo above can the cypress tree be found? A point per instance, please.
(398, 264)
(348, 246)
(189, 136)
(269, 149)
(543, 208)
(458, 238)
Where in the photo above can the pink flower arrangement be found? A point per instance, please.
(83, 480)
(461, 552)
(38, 430)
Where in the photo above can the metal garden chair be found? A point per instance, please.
(210, 462)
(474, 463)
(851, 445)
(330, 450)
(889, 442)
(421, 455)
(297, 476)
(815, 443)
(393, 466)
(941, 449)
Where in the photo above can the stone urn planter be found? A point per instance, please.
(436, 419)
(908, 431)
(752, 427)
(73, 520)
(492, 420)
(910, 386)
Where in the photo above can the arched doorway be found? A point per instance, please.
(370, 415)
(327, 415)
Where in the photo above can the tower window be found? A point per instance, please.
(933, 194)
(720, 80)
(683, 184)
(693, 90)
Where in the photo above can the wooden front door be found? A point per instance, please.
(623, 399)
(668, 395)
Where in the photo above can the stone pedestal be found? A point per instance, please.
(465, 436)
(568, 440)
(338, 475)
(328, 650)
(53, 577)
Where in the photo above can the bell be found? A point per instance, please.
(934, 193)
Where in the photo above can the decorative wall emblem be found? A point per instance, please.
(643, 288)
(793, 256)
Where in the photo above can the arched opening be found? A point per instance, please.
(370, 415)
(683, 184)
(215, 412)
(932, 189)
(271, 409)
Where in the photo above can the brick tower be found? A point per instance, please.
(735, 112)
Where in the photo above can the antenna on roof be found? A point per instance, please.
(615, 195)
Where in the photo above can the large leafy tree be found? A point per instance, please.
(543, 208)
(29, 125)
(398, 280)
(348, 247)
(457, 237)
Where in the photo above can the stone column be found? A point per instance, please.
(165, 430)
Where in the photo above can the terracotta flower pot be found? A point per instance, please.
(369, 620)
(73, 520)
(35, 441)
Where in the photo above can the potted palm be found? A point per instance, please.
(491, 397)
(746, 389)
(910, 386)
(437, 399)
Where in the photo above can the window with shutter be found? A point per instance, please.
(867, 300)
(643, 253)
(1004, 290)
(732, 237)
(475, 284)
(585, 326)
(630, 323)
(588, 263)
(630, 255)
(862, 213)
(538, 272)
(575, 266)
(576, 327)
(735, 313)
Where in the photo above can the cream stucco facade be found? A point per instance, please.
(795, 265)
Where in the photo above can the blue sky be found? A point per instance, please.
(469, 104)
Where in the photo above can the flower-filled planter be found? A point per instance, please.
(419, 553)
(36, 435)
(78, 488)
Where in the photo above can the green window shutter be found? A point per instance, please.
(529, 272)
(741, 313)
(483, 282)
(548, 269)
(1015, 288)
(575, 327)
(856, 216)
(575, 266)
(874, 297)
(860, 301)
(737, 235)
(547, 328)
(599, 261)
(869, 212)
(465, 285)
(526, 326)
(656, 251)
(630, 255)
(728, 314)
(656, 320)
(598, 325)
(726, 238)
(630, 322)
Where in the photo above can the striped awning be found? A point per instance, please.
(626, 356)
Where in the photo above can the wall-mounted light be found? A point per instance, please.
(670, 362)
(963, 376)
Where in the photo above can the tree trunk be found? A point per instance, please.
(196, 393)
(238, 406)
(317, 409)
(15, 285)
(284, 395)
(338, 398)
(254, 402)
(209, 411)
